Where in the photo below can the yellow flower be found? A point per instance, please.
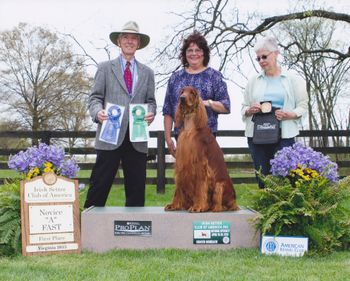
(301, 175)
(48, 167)
(33, 173)
(36, 171)
(29, 175)
(47, 170)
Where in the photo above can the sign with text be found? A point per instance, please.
(284, 245)
(132, 228)
(50, 215)
(211, 232)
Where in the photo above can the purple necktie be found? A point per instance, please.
(128, 77)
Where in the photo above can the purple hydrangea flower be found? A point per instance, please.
(19, 162)
(69, 168)
(36, 156)
(288, 158)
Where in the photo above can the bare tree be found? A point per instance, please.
(229, 34)
(322, 60)
(222, 23)
(40, 78)
(325, 76)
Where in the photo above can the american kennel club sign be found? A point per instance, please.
(284, 245)
(50, 215)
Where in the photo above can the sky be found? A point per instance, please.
(91, 21)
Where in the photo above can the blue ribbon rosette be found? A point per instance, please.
(110, 132)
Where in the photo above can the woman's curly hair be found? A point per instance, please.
(202, 44)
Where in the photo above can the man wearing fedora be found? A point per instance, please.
(122, 81)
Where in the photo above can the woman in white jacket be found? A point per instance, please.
(287, 94)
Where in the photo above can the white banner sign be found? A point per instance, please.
(52, 247)
(284, 245)
(37, 191)
(51, 219)
(51, 238)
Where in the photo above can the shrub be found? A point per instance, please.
(306, 200)
(10, 218)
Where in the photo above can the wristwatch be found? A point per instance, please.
(210, 102)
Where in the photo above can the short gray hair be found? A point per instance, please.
(266, 43)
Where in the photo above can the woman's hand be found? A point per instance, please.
(255, 108)
(216, 106)
(285, 115)
(171, 146)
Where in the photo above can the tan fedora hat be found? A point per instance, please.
(133, 28)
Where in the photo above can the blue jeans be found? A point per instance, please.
(263, 153)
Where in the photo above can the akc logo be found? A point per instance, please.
(271, 246)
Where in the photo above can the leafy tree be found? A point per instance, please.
(41, 78)
(9, 125)
(9, 142)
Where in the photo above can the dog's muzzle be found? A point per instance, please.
(182, 100)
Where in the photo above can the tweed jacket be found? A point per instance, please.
(109, 86)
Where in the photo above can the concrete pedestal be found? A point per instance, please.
(169, 229)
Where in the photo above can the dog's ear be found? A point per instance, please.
(201, 117)
(179, 116)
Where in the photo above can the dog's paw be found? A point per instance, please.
(171, 207)
(168, 207)
(196, 209)
(217, 209)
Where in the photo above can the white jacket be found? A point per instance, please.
(296, 100)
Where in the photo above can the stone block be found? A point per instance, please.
(169, 229)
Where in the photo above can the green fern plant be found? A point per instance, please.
(319, 210)
(10, 218)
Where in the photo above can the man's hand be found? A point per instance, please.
(102, 115)
(149, 117)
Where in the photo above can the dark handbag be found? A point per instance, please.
(266, 128)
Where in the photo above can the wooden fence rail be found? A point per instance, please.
(158, 155)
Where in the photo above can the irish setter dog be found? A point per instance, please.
(201, 177)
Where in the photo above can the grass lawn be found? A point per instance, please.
(117, 196)
(157, 265)
(172, 264)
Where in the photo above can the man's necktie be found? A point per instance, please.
(128, 77)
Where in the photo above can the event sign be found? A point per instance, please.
(284, 245)
(132, 228)
(211, 232)
(50, 215)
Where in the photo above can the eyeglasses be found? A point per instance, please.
(194, 51)
(263, 57)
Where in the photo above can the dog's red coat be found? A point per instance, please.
(201, 177)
